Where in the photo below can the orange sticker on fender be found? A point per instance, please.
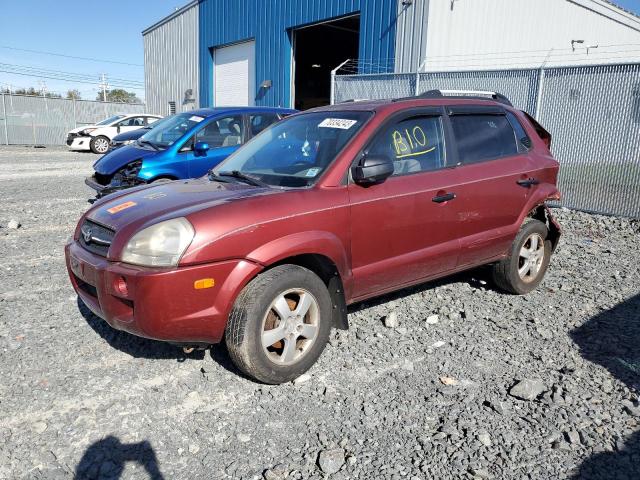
(122, 206)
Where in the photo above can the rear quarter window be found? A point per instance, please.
(483, 137)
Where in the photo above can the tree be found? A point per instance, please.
(119, 95)
(74, 94)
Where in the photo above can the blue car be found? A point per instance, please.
(186, 145)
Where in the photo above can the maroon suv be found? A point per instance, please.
(326, 208)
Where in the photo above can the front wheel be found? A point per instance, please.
(280, 324)
(99, 144)
(523, 269)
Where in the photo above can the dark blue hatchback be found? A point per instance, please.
(186, 145)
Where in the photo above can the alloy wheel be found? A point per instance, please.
(101, 145)
(531, 258)
(290, 326)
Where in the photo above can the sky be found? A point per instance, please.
(98, 30)
(631, 5)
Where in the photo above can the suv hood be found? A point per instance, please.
(149, 204)
(116, 159)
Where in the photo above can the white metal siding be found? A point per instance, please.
(234, 75)
(497, 34)
(171, 53)
(411, 35)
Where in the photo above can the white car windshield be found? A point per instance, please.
(110, 120)
(295, 151)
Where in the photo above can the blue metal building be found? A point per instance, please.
(266, 52)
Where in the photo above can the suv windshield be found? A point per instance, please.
(110, 120)
(295, 151)
(170, 130)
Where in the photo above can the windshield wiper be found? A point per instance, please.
(243, 176)
(147, 142)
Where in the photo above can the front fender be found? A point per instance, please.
(304, 243)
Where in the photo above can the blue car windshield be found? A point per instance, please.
(170, 130)
(295, 151)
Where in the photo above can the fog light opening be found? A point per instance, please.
(120, 285)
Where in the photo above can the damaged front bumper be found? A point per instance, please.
(113, 186)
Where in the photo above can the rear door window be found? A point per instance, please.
(414, 144)
(483, 137)
(259, 121)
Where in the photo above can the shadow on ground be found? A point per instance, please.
(106, 459)
(612, 339)
(137, 347)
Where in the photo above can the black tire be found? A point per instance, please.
(506, 272)
(253, 308)
(97, 144)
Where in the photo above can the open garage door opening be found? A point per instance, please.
(318, 49)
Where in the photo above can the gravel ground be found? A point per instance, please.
(448, 380)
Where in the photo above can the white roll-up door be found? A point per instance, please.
(234, 75)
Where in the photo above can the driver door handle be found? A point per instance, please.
(444, 198)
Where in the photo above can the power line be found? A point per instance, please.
(82, 76)
(95, 82)
(41, 52)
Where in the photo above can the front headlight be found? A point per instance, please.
(160, 245)
(128, 142)
(87, 131)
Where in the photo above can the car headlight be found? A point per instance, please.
(87, 131)
(160, 245)
(128, 142)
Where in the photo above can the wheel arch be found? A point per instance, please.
(541, 212)
(320, 252)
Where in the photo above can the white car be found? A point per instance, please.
(98, 137)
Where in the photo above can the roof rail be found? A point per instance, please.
(498, 97)
(352, 100)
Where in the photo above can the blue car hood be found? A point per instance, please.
(116, 159)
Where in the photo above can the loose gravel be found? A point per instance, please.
(447, 380)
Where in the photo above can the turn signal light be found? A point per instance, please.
(204, 283)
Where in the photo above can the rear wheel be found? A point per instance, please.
(99, 144)
(523, 270)
(280, 324)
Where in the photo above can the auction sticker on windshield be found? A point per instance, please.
(342, 123)
(196, 119)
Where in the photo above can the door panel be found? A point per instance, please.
(399, 234)
(401, 230)
(490, 199)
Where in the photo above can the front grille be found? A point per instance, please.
(96, 238)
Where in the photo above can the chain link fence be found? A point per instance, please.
(592, 112)
(31, 120)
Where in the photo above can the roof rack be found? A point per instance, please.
(477, 94)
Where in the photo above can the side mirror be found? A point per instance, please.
(201, 148)
(371, 170)
(118, 129)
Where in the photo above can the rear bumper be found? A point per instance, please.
(160, 304)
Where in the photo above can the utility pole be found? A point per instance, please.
(104, 86)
